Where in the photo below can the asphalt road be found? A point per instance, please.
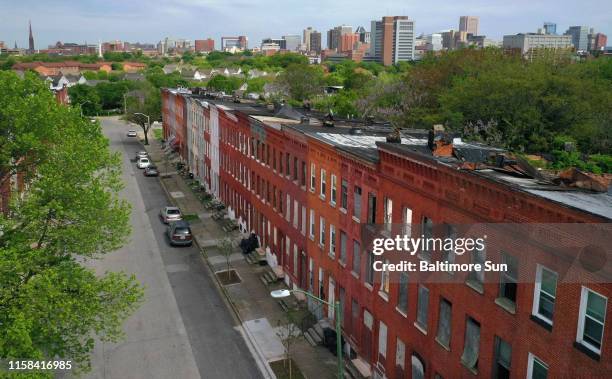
(183, 329)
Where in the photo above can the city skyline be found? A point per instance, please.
(199, 19)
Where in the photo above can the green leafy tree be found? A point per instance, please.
(227, 84)
(301, 81)
(144, 101)
(85, 97)
(51, 305)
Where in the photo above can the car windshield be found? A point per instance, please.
(182, 230)
(173, 212)
(144, 160)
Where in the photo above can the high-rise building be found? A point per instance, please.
(433, 42)
(204, 45)
(580, 37)
(530, 44)
(281, 42)
(550, 28)
(315, 42)
(468, 24)
(597, 41)
(335, 35)
(306, 37)
(31, 41)
(292, 42)
(364, 36)
(392, 40)
(230, 43)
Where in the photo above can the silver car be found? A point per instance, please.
(170, 214)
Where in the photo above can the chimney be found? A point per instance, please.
(440, 143)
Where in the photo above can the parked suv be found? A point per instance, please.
(179, 234)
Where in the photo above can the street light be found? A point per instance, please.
(81, 106)
(277, 294)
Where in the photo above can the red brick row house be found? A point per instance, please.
(311, 189)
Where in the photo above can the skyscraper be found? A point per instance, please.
(334, 36)
(315, 41)
(31, 41)
(580, 37)
(468, 24)
(306, 37)
(392, 40)
(550, 28)
(292, 42)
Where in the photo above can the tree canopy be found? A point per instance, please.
(51, 305)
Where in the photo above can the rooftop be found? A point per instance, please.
(364, 140)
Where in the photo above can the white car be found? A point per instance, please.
(131, 133)
(143, 163)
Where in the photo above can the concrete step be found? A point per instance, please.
(263, 280)
(310, 340)
(319, 330)
(315, 337)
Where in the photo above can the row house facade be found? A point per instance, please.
(310, 190)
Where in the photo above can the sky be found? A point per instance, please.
(151, 20)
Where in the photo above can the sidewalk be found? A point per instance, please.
(257, 312)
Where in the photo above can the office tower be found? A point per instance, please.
(579, 36)
(468, 24)
(315, 41)
(204, 45)
(292, 42)
(364, 36)
(392, 40)
(306, 37)
(550, 28)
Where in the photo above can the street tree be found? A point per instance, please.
(226, 247)
(289, 334)
(145, 101)
(52, 305)
(301, 81)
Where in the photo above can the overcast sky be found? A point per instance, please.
(151, 20)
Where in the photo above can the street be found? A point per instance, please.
(183, 329)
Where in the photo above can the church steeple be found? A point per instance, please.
(31, 40)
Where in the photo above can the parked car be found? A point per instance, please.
(169, 214)
(179, 233)
(143, 163)
(131, 133)
(151, 171)
(142, 154)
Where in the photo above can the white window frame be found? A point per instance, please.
(334, 191)
(323, 183)
(332, 241)
(536, 293)
(313, 177)
(311, 232)
(382, 339)
(582, 316)
(321, 231)
(531, 360)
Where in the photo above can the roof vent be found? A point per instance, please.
(356, 131)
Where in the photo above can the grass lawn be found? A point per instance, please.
(157, 133)
(191, 217)
(281, 369)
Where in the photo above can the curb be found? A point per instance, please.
(262, 363)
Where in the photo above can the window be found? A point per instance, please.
(280, 201)
(544, 294)
(427, 231)
(418, 368)
(343, 243)
(357, 202)
(303, 176)
(471, 346)
(508, 280)
(356, 258)
(295, 213)
(402, 292)
(369, 277)
(312, 224)
(321, 231)
(323, 183)
(503, 357)
(303, 226)
(355, 314)
(288, 209)
(476, 277)
(388, 213)
(313, 179)
(344, 194)
(591, 319)
(371, 208)
(333, 189)
(400, 354)
(536, 368)
(382, 339)
(422, 307)
(444, 323)
(449, 254)
(288, 164)
(407, 220)
(384, 281)
(295, 169)
(332, 241)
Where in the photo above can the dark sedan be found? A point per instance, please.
(151, 171)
